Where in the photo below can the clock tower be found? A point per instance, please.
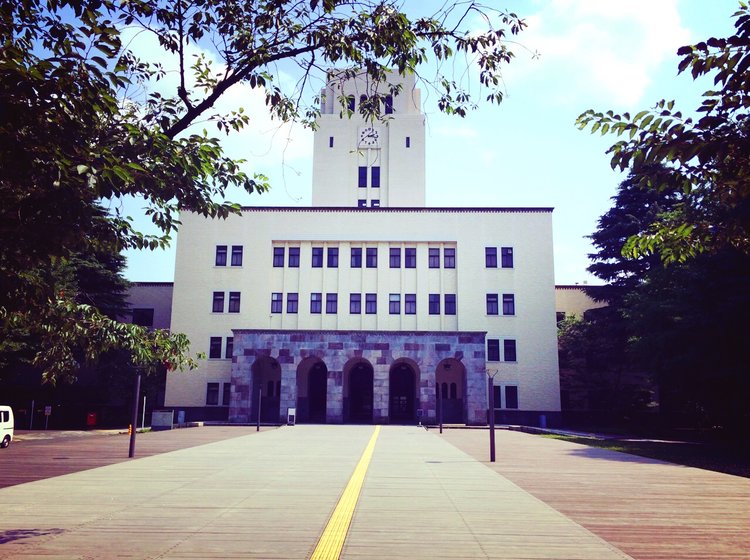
(359, 163)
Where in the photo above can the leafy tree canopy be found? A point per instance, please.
(83, 124)
(707, 157)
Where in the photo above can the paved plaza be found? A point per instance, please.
(271, 495)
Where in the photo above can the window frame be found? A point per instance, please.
(451, 305)
(511, 397)
(277, 302)
(394, 257)
(356, 257)
(362, 177)
(237, 255)
(493, 349)
(410, 304)
(506, 257)
(410, 257)
(217, 302)
(332, 257)
(214, 348)
(234, 302)
(371, 304)
(278, 257)
(221, 255)
(490, 257)
(355, 304)
(509, 304)
(292, 303)
(332, 303)
(317, 257)
(491, 304)
(226, 394)
(371, 257)
(212, 394)
(375, 177)
(316, 303)
(394, 304)
(294, 257)
(449, 257)
(229, 348)
(434, 304)
(433, 257)
(510, 350)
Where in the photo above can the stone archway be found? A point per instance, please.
(402, 393)
(450, 388)
(266, 385)
(358, 392)
(312, 390)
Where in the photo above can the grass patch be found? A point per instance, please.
(726, 458)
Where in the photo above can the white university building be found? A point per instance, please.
(368, 306)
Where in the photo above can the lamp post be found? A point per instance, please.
(491, 410)
(134, 421)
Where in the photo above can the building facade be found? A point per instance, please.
(368, 306)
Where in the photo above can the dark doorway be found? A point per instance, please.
(360, 393)
(317, 390)
(401, 394)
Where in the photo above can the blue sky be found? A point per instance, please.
(598, 54)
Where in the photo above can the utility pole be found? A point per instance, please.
(491, 410)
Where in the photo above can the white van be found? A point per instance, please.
(6, 425)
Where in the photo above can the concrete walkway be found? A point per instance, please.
(269, 495)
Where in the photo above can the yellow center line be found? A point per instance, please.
(332, 540)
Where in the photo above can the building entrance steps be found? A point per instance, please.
(270, 495)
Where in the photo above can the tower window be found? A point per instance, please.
(375, 203)
(362, 203)
(362, 179)
(375, 177)
(408, 142)
(330, 141)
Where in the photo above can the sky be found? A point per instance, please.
(525, 152)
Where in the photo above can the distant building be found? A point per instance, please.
(150, 304)
(572, 300)
(367, 306)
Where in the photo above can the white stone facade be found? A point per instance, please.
(355, 312)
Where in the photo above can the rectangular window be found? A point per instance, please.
(506, 254)
(493, 350)
(293, 257)
(490, 257)
(316, 302)
(371, 304)
(388, 104)
(276, 302)
(492, 304)
(333, 257)
(362, 203)
(449, 257)
(372, 257)
(410, 304)
(375, 177)
(330, 141)
(236, 255)
(221, 255)
(511, 396)
(218, 303)
(408, 142)
(362, 177)
(509, 304)
(509, 350)
(394, 304)
(143, 317)
(229, 352)
(212, 393)
(317, 257)
(356, 257)
(375, 203)
(234, 302)
(227, 395)
(395, 261)
(410, 257)
(350, 103)
(292, 302)
(434, 257)
(434, 304)
(214, 349)
(450, 304)
(278, 256)
(332, 303)
(355, 304)
(496, 392)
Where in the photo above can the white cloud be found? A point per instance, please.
(600, 49)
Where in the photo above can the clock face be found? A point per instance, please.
(369, 137)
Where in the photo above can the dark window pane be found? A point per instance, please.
(317, 257)
(355, 304)
(143, 317)
(490, 257)
(221, 255)
(372, 257)
(276, 302)
(449, 257)
(316, 303)
(434, 304)
(350, 103)
(493, 350)
(408, 142)
(497, 392)
(292, 302)
(362, 177)
(450, 304)
(492, 308)
(395, 260)
(330, 141)
(236, 255)
(375, 176)
(356, 257)
(371, 304)
(234, 302)
(507, 257)
(218, 303)
(410, 257)
(230, 347)
(434, 257)
(410, 304)
(509, 304)
(227, 395)
(511, 397)
(214, 349)
(388, 104)
(333, 257)
(332, 303)
(212, 393)
(278, 256)
(509, 350)
(293, 257)
(375, 203)
(362, 203)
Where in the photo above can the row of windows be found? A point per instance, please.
(511, 396)
(506, 257)
(214, 347)
(370, 257)
(493, 350)
(212, 394)
(355, 303)
(217, 305)
(221, 255)
(374, 177)
(387, 103)
(509, 304)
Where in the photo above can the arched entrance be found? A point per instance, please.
(312, 390)
(358, 405)
(402, 405)
(450, 388)
(266, 384)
